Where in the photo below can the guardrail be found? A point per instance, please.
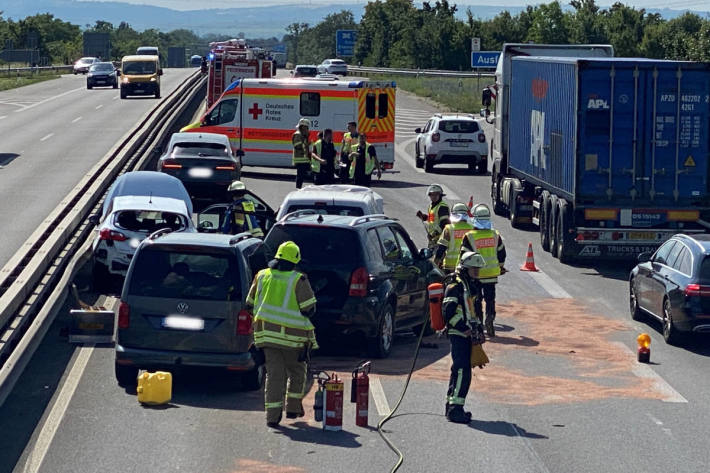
(18, 70)
(32, 283)
(418, 72)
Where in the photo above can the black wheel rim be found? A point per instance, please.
(387, 330)
(633, 303)
(667, 321)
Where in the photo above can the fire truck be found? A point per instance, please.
(232, 60)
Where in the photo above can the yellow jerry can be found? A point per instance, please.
(155, 388)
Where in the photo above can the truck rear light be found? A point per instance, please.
(581, 236)
(697, 290)
(108, 234)
(124, 315)
(435, 137)
(244, 325)
(481, 138)
(616, 236)
(171, 164)
(358, 282)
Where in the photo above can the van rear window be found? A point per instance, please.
(458, 126)
(182, 273)
(319, 245)
(200, 149)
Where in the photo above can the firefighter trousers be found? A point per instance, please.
(460, 380)
(285, 377)
(302, 171)
(487, 293)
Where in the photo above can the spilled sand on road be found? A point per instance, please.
(246, 465)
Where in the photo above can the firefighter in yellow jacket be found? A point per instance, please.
(282, 302)
(301, 151)
(449, 245)
(437, 216)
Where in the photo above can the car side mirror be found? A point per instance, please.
(94, 219)
(486, 97)
(425, 253)
(417, 130)
(644, 257)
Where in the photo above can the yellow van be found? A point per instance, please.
(140, 75)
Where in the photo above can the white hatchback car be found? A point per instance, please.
(452, 139)
(333, 66)
(333, 199)
(131, 220)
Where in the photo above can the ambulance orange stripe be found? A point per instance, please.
(260, 150)
(296, 92)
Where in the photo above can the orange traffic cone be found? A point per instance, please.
(470, 206)
(529, 261)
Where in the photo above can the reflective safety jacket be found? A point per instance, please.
(278, 306)
(345, 148)
(490, 245)
(457, 307)
(452, 238)
(315, 164)
(239, 219)
(301, 152)
(369, 162)
(435, 221)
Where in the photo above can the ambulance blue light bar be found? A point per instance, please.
(357, 84)
(233, 85)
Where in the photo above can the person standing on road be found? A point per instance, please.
(437, 217)
(349, 140)
(323, 159)
(464, 330)
(449, 245)
(301, 151)
(363, 161)
(282, 302)
(489, 243)
(240, 213)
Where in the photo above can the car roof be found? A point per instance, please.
(340, 221)
(140, 57)
(199, 137)
(103, 63)
(702, 240)
(196, 239)
(145, 202)
(454, 117)
(147, 183)
(305, 65)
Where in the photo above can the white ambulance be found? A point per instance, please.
(260, 115)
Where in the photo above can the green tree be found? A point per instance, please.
(318, 43)
(549, 25)
(293, 38)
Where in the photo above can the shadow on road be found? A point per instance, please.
(387, 184)
(288, 175)
(456, 171)
(499, 427)
(520, 341)
(303, 432)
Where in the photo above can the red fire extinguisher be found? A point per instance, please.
(436, 299)
(360, 392)
(333, 403)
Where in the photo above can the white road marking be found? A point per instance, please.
(98, 107)
(46, 137)
(378, 395)
(549, 285)
(49, 99)
(656, 421)
(526, 443)
(642, 370)
(3, 116)
(76, 119)
(115, 98)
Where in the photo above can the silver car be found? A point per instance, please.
(333, 199)
(333, 66)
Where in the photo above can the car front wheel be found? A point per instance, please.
(670, 332)
(634, 303)
(381, 345)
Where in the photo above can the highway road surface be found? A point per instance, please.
(563, 392)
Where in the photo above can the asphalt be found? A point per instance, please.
(53, 133)
(562, 392)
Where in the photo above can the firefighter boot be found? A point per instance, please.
(457, 415)
(490, 329)
(274, 425)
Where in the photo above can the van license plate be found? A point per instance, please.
(456, 144)
(178, 322)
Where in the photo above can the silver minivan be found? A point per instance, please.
(183, 304)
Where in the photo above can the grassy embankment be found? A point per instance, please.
(12, 79)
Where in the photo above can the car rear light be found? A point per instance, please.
(108, 234)
(244, 325)
(358, 282)
(171, 164)
(231, 167)
(697, 290)
(435, 137)
(481, 137)
(124, 315)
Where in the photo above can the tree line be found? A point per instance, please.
(396, 33)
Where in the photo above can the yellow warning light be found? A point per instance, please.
(644, 340)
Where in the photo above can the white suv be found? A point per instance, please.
(451, 138)
(333, 66)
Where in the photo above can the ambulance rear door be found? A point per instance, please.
(376, 108)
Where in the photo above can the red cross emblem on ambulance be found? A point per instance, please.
(255, 111)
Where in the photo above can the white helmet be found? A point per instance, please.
(433, 188)
(304, 122)
(471, 259)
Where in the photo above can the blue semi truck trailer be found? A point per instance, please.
(607, 156)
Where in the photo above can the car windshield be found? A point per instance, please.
(86, 60)
(458, 126)
(148, 221)
(101, 67)
(338, 62)
(319, 245)
(186, 273)
(139, 67)
(325, 209)
(200, 149)
(307, 70)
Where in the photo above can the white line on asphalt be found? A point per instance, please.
(378, 395)
(656, 421)
(115, 98)
(549, 285)
(76, 119)
(98, 107)
(540, 464)
(4, 116)
(642, 370)
(48, 99)
(46, 137)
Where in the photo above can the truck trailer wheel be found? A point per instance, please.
(498, 206)
(552, 223)
(514, 206)
(565, 242)
(545, 220)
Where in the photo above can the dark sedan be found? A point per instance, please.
(673, 286)
(102, 74)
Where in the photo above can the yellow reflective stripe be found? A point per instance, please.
(273, 405)
(456, 318)
(294, 395)
(261, 339)
(451, 299)
(273, 314)
(307, 303)
(457, 389)
(459, 401)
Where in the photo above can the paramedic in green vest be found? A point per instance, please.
(282, 302)
(240, 213)
(449, 245)
(301, 151)
(437, 217)
(488, 242)
(363, 162)
(323, 158)
(463, 330)
(349, 141)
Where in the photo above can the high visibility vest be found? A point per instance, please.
(247, 222)
(433, 222)
(486, 243)
(465, 312)
(369, 162)
(301, 152)
(315, 164)
(457, 231)
(278, 319)
(346, 146)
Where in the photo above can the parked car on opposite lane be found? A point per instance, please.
(82, 65)
(333, 66)
(102, 74)
(333, 199)
(203, 162)
(451, 139)
(673, 286)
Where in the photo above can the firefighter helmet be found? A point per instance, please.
(471, 259)
(481, 211)
(289, 251)
(236, 186)
(459, 208)
(434, 188)
(304, 122)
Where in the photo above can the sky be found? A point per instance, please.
(206, 4)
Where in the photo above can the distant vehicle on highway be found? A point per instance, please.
(202, 161)
(102, 74)
(303, 70)
(82, 65)
(148, 51)
(368, 276)
(149, 183)
(451, 138)
(195, 60)
(140, 76)
(183, 304)
(132, 219)
(333, 199)
(673, 286)
(333, 66)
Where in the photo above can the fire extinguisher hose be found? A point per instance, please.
(381, 424)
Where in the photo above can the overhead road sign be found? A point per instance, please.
(484, 59)
(345, 42)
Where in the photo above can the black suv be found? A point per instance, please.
(367, 274)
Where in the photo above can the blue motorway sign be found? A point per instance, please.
(483, 59)
(345, 42)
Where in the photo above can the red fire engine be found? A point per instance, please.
(232, 60)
